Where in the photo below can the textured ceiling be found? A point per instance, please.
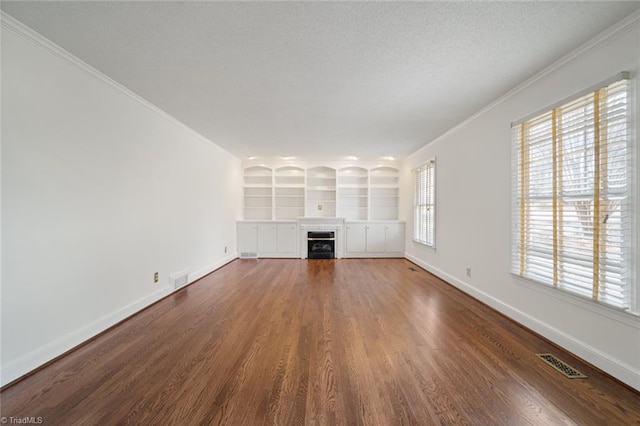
(319, 79)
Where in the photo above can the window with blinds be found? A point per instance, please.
(572, 196)
(424, 215)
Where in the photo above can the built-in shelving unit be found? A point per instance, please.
(356, 192)
(321, 192)
(384, 193)
(258, 193)
(289, 192)
(352, 193)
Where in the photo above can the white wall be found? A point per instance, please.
(473, 195)
(99, 191)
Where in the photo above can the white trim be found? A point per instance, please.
(623, 75)
(34, 359)
(616, 368)
(29, 362)
(36, 39)
(612, 33)
(430, 168)
(195, 276)
(625, 317)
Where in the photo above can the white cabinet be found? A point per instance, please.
(394, 238)
(356, 238)
(287, 239)
(267, 239)
(247, 239)
(375, 239)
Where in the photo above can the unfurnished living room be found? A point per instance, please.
(320, 213)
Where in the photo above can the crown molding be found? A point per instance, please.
(26, 33)
(612, 33)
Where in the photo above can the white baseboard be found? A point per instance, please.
(46, 353)
(620, 370)
(356, 255)
(194, 276)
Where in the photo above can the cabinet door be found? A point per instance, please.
(375, 238)
(247, 237)
(267, 238)
(394, 241)
(287, 238)
(356, 237)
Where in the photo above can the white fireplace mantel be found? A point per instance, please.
(314, 224)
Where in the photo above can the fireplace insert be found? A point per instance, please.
(321, 245)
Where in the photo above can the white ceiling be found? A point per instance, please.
(319, 79)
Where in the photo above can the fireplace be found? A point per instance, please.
(327, 237)
(321, 244)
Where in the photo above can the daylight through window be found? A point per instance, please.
(572, 196)
(424, 215)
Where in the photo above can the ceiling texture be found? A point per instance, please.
(319, 79)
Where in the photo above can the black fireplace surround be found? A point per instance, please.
(321, 245)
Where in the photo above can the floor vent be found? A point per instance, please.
(248, 255)
(562, 366)
(179, 278)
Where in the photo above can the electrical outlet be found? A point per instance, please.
(469, 272)
(155, 277)
(225, 249)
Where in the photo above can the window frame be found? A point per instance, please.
(424, 209)
(628, 228)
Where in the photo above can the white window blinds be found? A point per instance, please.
(572, 197)
(424, 215)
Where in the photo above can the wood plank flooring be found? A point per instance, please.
(318, 342)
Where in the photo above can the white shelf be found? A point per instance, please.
(289, 192)
(384, 214)
(290, 202)
(349, 191)
(289, 213)
(290, 176)
(257, 214)
(321, 192)
(258, 193)
(352, 193)
(384, 193)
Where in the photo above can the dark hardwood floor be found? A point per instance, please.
(327, 342)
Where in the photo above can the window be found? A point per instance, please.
(572, 197)
(424, 216)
